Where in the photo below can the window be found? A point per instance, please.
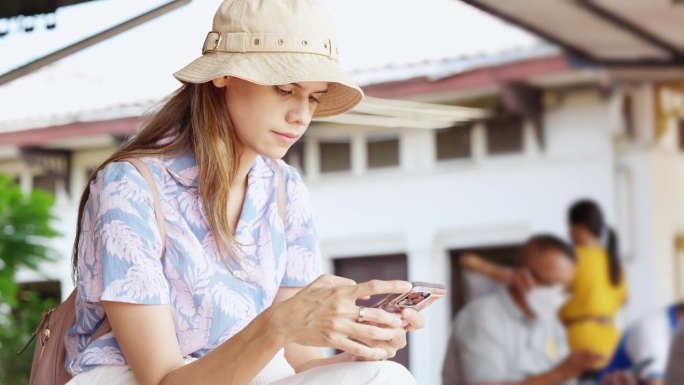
(454, 142)
(45, 182)
(383, 152)
(628, 116)
(335, 155)
(45, 289)
(504, 135)
(295, 156)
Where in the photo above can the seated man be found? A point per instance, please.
(513, 336)
(645, 345)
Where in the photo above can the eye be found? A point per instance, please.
(314, 99)
(282, 91)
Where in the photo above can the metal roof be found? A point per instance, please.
(606, 32)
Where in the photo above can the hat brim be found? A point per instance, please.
(269, 68)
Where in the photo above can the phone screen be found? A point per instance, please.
(639, 366)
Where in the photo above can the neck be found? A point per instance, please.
(519, 300)
(245, 162)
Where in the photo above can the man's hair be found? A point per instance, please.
(542, 242)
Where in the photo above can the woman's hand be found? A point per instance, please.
(324, 314)
(411, 320)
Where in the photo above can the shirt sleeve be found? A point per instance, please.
(481, 358)
(303, 251)
(120, 245)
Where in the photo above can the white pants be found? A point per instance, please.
(279, 372)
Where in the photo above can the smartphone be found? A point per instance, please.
(419, 297)
(639, 366)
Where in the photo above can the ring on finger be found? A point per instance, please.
(362, 313)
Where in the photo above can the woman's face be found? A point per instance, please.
(270, 119)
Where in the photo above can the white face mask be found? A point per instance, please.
(546, 301)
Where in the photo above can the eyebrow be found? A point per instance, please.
(313, 92)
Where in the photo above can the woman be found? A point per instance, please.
(231, 295)
(599, 287)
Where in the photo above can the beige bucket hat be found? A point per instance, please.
(273, 42)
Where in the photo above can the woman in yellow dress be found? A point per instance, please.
(599, 288)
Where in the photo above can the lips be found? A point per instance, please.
(287, 135)
(286, 138)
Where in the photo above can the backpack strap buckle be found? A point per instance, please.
(43, 329)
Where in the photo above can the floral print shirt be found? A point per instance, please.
(120, 255)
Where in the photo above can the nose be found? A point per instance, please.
(300, 113)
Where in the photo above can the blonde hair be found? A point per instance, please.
(195, 118)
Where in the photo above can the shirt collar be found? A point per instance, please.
(185, 171)
(510, 306)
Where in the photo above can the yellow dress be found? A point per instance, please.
(593, 296)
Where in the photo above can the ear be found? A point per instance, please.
(220, 82)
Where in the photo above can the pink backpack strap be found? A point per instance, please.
(158, 213)
(281, 192)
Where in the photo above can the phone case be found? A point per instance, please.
(422, 294)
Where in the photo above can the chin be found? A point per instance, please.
(274, 153)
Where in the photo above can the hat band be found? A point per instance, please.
(241, 42)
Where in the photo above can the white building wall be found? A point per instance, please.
(667, 167)
(650, 184)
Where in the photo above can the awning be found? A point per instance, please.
(608, 32)
(372, 113)
(392, 113)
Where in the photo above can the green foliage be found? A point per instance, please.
(25, 225)
(15, 329)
